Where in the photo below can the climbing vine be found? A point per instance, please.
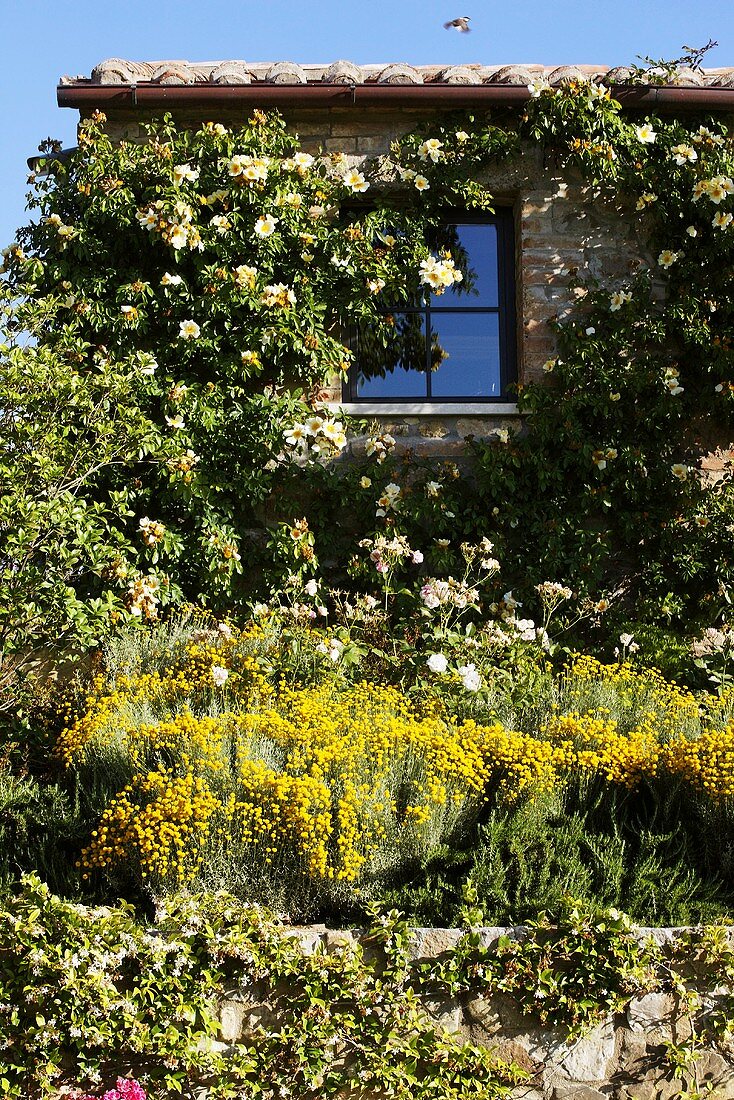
(90, 996)
(225, 269)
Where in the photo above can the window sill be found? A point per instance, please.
(422, 408)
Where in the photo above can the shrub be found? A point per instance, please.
(202, 763)
(236, 259)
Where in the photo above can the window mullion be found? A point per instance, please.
(428, 349)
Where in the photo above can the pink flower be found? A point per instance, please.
(126, 1089)
(130, 1090)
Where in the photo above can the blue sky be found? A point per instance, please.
(40, 40)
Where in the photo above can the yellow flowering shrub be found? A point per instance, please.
(213, 765)
(706, 762)
(518, 763)
(628, 694)
(595, 744)
(720, 708)
(160, 817)
(329, 783)
(115, 711)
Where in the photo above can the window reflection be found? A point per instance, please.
(392, 359)
(468, 348)
(473, 248)
(450, 345)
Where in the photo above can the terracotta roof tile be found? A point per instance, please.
(116, 70)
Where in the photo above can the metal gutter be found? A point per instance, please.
(146, 95)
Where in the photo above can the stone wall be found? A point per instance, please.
(561, 224)
(625, 1057)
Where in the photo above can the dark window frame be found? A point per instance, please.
(503, 219)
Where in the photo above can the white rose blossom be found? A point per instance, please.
(437, 663)
(470, 677)
(189, 330)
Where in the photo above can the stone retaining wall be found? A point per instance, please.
(626, 1057)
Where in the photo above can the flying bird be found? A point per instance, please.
(461, 24)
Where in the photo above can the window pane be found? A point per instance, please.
(474, 251)
(465, 355)
(392, 360)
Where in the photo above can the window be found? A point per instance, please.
(455, 346)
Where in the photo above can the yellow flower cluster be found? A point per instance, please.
(361, 770)
(160, 817)
(327, 782)
(518, 763)
(320, 779)
(113, 714)
(630, 693)
(594, 744)
(706, 762)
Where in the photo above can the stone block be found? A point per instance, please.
(537, 328)
(333, 939)
(372, 143)
(533, 224)
(507, 1050)
(632, 1048)
(544, 1045)
(553, 255)
(429, 943)
(538, 312)
(548, 238)
(535, 205)
(446, 1013)
(545, 276)
(316, 128)
(651, 1013)
(653, 1079)
(478, 426)
(347, 128)
(232, 1016)
(590, 1057)
(716, 1071)
(340, 145)
(483, 1019)
(487, 1016)
(489, 936)
(662, 937)
(396, 427)
(310, 939)
(569, 1091)
(433, 429)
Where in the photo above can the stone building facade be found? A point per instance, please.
(560, 223)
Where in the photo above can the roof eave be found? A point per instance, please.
(152, 95)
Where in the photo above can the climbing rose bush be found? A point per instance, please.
(228, 269)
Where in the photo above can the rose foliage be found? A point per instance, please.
(189, 298)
